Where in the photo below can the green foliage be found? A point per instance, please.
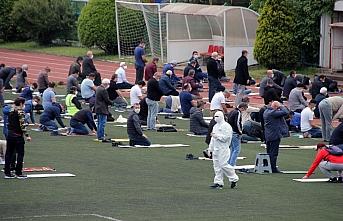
(307, 33)
(7, 26)
(44, 20)
(257, 5)
(275, 43)
(97, 26)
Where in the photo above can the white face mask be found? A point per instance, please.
(92, 56)
(272, 76)
(125, 67)
(196, 56)
(34, 103)
(137, 110)
(76, 93)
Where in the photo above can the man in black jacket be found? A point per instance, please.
(77, 122)
(134, 129)
(235, 120)
(89, 67)
(154, 94)
(213, 75)
(75, 67)
(102, 101)
(242, 77)
(290, 84)
(15, 140)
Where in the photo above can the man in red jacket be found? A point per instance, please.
(327, 162)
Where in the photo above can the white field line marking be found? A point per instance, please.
(71, 215)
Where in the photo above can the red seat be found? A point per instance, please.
(209, 51)
(215, 48)
(221, 50)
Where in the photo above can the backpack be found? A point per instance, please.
(335, 150)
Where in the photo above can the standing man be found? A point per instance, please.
(102, 102)
(213, 75)
(43, 80)
(330, 109)
(15, 140)
(242, 77)
(151, 69)
(220, 148)
(154, 95)
(235, 120)
(275, 128)
(140, 61)
(122, 82)
(134, 129)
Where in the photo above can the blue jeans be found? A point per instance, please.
(102, 119)
(50, 125)
(240, 90)
(78, 127)
(213, 84)
(152, 113)
(200, 76)
(29, 116)
(235, 148)
(315, 132)
(140, 141)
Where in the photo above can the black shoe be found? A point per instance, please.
(21, 177)
(333, 180)
(340, 180)
(233, 185)
(276, 171)
(216, 186)
(9, 176)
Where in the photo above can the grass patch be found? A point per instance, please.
(159, 184)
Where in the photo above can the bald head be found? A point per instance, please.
(270, 73)
(214, 55)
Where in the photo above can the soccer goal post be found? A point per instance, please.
(138, 21)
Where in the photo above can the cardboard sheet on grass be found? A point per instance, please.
(209, 159)
(49, 175)
(155, 146)
(316, 180)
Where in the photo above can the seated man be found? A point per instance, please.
(73, 82)
(323, 93)
(27, 91)
(308, 128)
(252, 130)
(49, 95)
(134, 129)
(172, 105)
(190, 66)
(290, 84)
(119, 102)
(166, 85)
(170, 66)
(28, 109)
(78, 121)
(48, 117)
(270, 93)
(297, 100)
(189, 79)
(199, 75)
(186, 101)
(327, 163)
(88, 89)
(122, 82)
(219, 100)
(72, 103)
(337, 135)
(197, 123)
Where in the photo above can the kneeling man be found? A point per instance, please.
(134, 129)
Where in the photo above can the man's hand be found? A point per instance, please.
(305, 177)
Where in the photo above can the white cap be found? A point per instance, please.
(122, 64)
(323, 90)
(169, 72)
(105, 81)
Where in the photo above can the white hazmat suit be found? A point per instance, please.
(220, 148)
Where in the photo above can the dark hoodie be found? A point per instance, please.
(197, 123)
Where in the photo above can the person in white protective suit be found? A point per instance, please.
(220, 148)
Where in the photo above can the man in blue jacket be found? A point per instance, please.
(275, 128)
(50, 114)
(166, 86)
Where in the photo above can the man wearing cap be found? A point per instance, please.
(43, 80)
(140, 61)
(213, 75)
(219, 100)
(122, 82)
(296, 100)
(166, 86)
(102, 102)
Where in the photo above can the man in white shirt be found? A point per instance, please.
(122, 82)
(136, 93)
(218, 101)
(308, 128)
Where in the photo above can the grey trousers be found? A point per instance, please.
(327, 167)
(325, 111)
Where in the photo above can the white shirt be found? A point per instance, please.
(217, 101)
(121, 75)
(135, 93)
(306, 116)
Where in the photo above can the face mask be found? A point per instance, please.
(137, 110)
(272, 76)
(125, 67)
(34, 103)
(76, 93)
(92, 56)
(196, 56)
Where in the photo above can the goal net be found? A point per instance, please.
(141, 21)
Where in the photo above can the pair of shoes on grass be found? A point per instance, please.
(335, 180)
(11, 176)
(218, 186)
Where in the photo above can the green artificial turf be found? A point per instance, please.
(159, 184)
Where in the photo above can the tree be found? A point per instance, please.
(44, 20)
(275, 43)
(7, 27)
(97, 26)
